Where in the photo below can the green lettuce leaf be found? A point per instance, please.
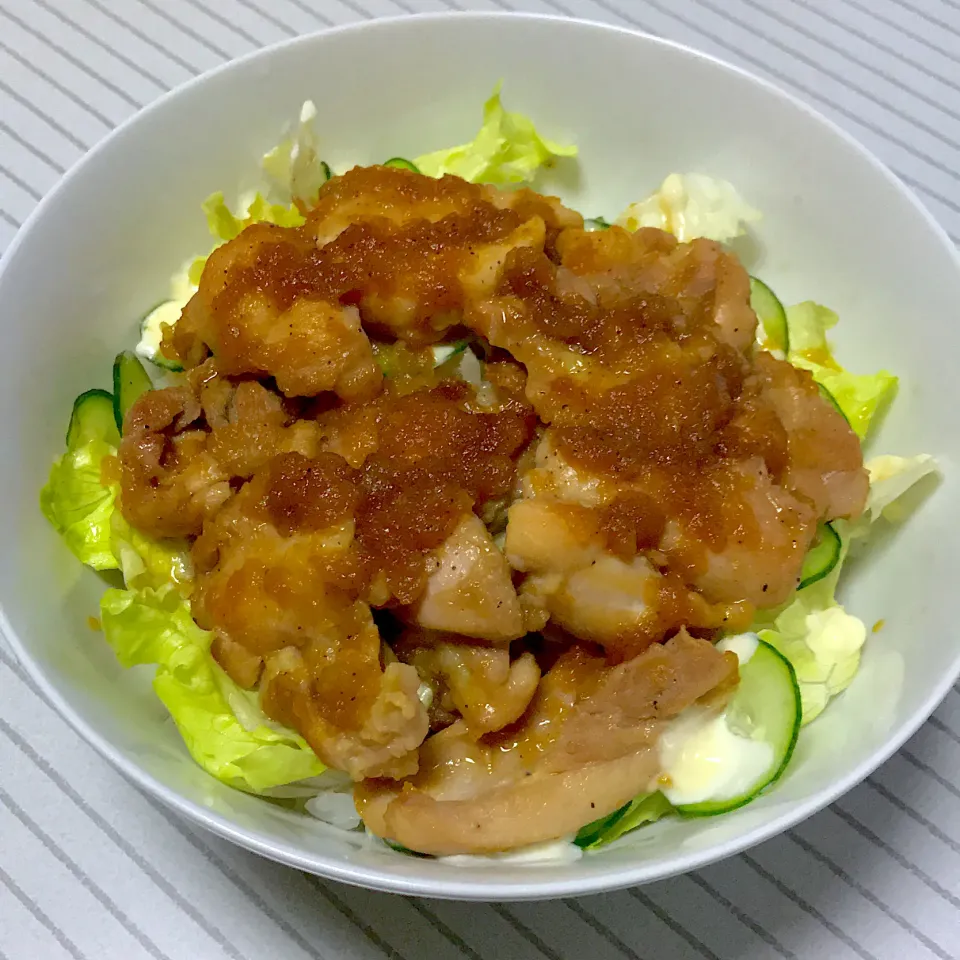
(224, 225)
(508, 149)
(79, 506)
(859, 397)
(692, 205)
(146, 562)
(154, 626)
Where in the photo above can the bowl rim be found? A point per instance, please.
(473, 886)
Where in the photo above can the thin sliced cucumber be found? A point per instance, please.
(644, 809)
(151, 334)
(327, 172)
(770, 313)
(765, 707)
(832, 400)
(92, 419)
(401, 163)
(596, 223)
(822, 557)
(400, 848)
(130, 380)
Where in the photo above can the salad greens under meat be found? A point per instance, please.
(714, 755)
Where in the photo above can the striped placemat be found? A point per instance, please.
(92, 870)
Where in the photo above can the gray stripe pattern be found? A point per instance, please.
(7, 801)
(68, 791)
(888, 71)
(10, 885)
(63, 52)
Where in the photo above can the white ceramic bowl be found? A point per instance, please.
(838, 228)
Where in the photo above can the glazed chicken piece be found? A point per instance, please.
(277, 561)
(286, 569)
(401, 196)
(760, 535)
(250, 312)
(469, 589)
(411, 281)
(400, 252)
(680, 480)
(574, 579)
(429, 461)
(586, 746)
(358, 717)
(736, 535)
(277, 578)
(183, 446)
(824, 463)
(410, 251)
(392, 194)
(477, 683)
(169, 480)
(700, 275)
(250, 425)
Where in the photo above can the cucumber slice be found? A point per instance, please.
(765, 707)
(770, 313)
(151, 334)
(596, 223)
(130, 380)
(644, 809)
(822, 557)
(400, 848)
(832, 400)
(92, 419)
(327, 172)
(402, 163)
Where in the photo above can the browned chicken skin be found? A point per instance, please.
(375, 554)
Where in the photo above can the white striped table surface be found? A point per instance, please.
(91, 869)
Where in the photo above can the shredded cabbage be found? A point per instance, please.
(692, 205)
(507, 149)
(294, 164)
